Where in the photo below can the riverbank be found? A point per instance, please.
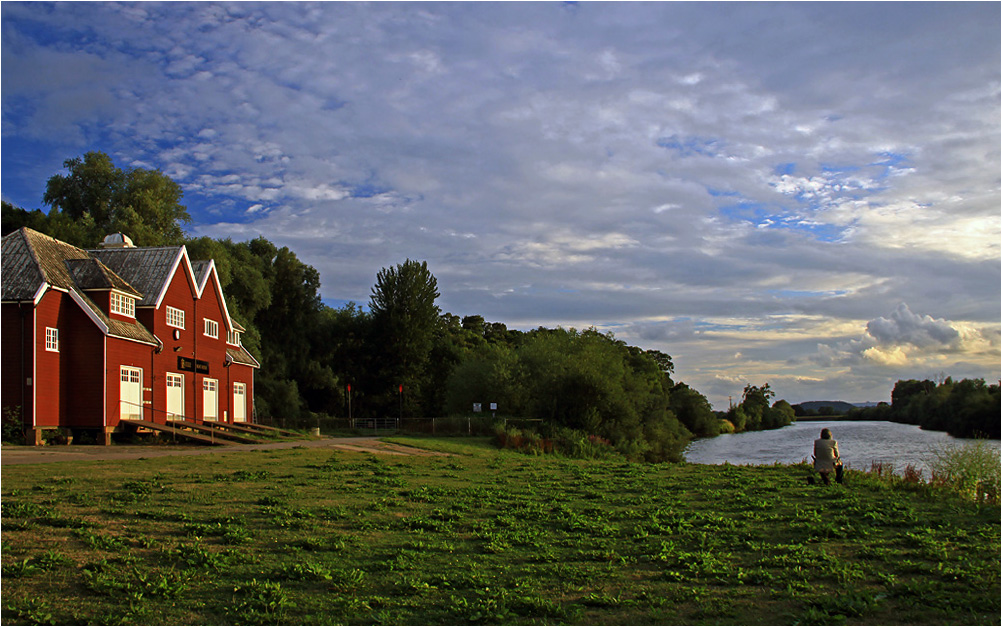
(315, 536)
(893, 446)
(819, 418)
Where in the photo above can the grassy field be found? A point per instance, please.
(312, 536)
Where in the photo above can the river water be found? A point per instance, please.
(860, 442)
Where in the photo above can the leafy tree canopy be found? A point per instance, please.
(95, 198)
(585, 381)
(966, 408)
(405, 319)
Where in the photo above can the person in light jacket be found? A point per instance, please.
(826, 455)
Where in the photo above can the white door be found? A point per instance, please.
(131, 396)
(210, 405)
(175, 396)
(239, 402)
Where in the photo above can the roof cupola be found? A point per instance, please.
(117, 240)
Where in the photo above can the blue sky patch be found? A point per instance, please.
(890, 161)
(785, 169)
(688, 146)
(722, 193)
(763, 216)
(368, 190)
(805, 294)
(832, 168)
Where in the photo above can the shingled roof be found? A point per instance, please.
(241, 356)
(22, 272)
(32, 260)
(91, 274)
(147, 269)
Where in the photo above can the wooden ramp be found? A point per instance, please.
(214, 433)
(271, 430)
(181, 433)
(239, 427)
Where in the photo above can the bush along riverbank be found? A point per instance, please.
(969, 471)
(485, 536)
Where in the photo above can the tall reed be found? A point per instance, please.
(972, 469)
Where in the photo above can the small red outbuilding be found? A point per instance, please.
(94, 337)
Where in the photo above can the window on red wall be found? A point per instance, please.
(211, 328)
(52, 339)
(123, 305)
(175, 317)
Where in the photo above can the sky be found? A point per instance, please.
(800, 194)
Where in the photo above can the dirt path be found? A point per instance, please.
(12, 454)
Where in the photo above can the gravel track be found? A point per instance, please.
(13, 454)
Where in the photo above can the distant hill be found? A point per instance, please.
(838, 407)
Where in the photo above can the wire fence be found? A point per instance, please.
(441, 425)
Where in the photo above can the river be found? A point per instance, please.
(860, 442)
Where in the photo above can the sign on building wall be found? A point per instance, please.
(186, 364)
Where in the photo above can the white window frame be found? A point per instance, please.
(211, 328)
(175, 317)
(123, 305)
(233, 338)
(52, 339)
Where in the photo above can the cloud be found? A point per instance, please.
(893, 356)
(906, 339)
(905, 327)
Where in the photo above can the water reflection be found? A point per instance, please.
(860, 442)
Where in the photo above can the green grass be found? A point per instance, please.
(311, 536)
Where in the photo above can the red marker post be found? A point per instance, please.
(401, 390)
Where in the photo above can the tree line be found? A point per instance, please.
(400, 355)
(754, 413)
(968, 408)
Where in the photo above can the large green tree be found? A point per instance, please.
(754, 412)
(404, 320)
(755, 404)
(694, 411)
(13, 218)
(95, 198)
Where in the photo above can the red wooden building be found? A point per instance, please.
(94, 337)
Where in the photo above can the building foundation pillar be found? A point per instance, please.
(33, 436)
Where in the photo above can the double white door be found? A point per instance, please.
(239, 402)
(131, 394)
(175, 396)
(210, 399)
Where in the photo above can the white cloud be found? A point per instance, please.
(893, 356)
(905, 327)
(906, 340)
